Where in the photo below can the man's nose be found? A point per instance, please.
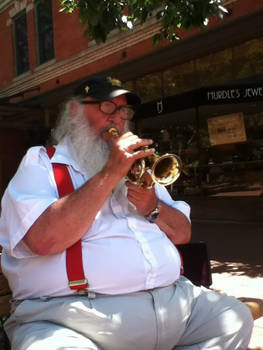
(114, 116)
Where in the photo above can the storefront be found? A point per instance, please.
(218, 133)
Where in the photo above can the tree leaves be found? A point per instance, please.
(100, 17)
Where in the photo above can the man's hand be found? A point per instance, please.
(125, 150)
(143, 198)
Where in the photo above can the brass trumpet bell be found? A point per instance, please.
(165, 169)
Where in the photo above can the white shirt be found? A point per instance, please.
(122, 251)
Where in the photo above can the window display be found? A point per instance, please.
(222, 155)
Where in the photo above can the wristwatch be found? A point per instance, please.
(154, 214)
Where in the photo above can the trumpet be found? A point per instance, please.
(165, 169)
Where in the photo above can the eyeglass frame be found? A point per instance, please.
(117, 108)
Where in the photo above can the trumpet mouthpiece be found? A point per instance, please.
(114, 132)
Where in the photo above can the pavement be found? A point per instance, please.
(245, 282)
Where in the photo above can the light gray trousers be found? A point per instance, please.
(181, 316)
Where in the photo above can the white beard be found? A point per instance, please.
(89, 150)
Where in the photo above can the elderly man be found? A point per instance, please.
(118, 237)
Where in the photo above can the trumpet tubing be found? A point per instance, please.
(165, 169)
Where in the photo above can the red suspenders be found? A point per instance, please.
(74, 262)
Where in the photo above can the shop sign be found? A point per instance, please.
(201, 97)
(239, 94)
(225, 129)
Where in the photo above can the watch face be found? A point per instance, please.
(154, 217)
(154, 214)
(156, 211)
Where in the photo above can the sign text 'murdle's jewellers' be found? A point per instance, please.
(235, 94)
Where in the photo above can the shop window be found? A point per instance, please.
(180, 78)
(214, 69)
(248, 59)
(254, 130)
(239, 62)
(21, 43)
(44, 29)
(222, 154)
(150, 87)
(185, 144)
(130, 85)
(232, 155)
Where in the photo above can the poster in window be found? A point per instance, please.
(228, 128)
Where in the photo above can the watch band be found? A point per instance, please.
(155, 213)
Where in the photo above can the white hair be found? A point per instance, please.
(64, 124)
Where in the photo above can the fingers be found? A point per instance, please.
(142, 198)
(138, 195)
(134, 144)
(148, 182)
(126, 150)
(133, 188)
(143, 153)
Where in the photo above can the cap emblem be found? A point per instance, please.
(114, 82)
(87, 89)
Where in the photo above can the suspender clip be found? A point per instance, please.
(77, 283)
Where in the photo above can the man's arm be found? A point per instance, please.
(171, 221)
(65, 221)
(174, 224)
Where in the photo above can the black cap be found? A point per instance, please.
(105, 88)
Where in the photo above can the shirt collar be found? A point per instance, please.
(63, 154)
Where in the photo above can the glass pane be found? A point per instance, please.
(214, 69)
(254, 129)
(21, 44)
(179, 79)
(129, 85)
(248, 59)
(149, 87)
(45, 31)
(234, 168)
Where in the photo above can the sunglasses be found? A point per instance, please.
(108, 107)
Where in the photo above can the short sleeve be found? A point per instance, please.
(164, 196)
(31, 191)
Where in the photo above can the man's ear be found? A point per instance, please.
(74, 106)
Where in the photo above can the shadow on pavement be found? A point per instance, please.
(237, 269)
